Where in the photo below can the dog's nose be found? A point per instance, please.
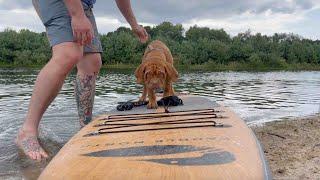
(155, 86)
(158, 90)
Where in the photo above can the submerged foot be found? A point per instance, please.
(29, 144)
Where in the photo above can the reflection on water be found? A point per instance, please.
(256, 97)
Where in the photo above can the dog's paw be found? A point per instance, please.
(142, 99)
(168, 94)
(152, 105)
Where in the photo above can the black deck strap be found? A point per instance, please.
(160, 128)
(191, 125)
(159, 113)
(166, 101)
(119, 123)
(127, 123)
(108, 122)
(121, 117)
(99, 132)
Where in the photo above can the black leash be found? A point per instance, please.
(166, 101)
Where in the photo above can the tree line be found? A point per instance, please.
(197, 45)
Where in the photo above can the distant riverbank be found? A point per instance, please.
(292, 147)
(195, 48)
(210, 66)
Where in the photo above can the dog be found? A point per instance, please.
(156, 71)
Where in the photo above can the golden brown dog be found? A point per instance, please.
(156, 71)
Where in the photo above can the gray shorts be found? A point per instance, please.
(55, 17)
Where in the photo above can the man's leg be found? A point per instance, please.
(47, 85)
(85, 83)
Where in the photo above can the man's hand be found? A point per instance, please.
(141, 33)
(82, 30)
(125, 8)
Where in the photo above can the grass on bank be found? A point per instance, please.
(209, 66)
(233, 66)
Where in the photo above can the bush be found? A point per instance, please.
(198, 46)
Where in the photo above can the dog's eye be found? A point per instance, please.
(147, 76)
(161, 75)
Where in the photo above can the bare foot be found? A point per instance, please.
(29, 144)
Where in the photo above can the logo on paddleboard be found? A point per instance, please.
(181, 155)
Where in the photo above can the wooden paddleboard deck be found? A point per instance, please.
(186, 143)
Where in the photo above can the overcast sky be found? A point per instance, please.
(266, 16)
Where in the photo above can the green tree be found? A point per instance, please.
(195, 33)
(120, 47)
(198, 45)
(168, 30)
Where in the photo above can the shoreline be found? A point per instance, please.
(207, 67)
(291, 147)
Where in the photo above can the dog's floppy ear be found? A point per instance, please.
(139, 73)
(172, 72)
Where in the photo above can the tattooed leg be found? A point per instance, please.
(84, 93)
(88, 68)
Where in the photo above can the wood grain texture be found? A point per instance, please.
(229, 152)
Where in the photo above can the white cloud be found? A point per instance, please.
(20, 19)
(107, 24)
(266, 23)
(271, 20)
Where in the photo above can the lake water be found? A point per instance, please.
(257, 97)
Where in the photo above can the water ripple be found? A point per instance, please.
(256, 97)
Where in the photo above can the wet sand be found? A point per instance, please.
(292, 147)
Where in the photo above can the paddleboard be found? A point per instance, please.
(198, 140)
